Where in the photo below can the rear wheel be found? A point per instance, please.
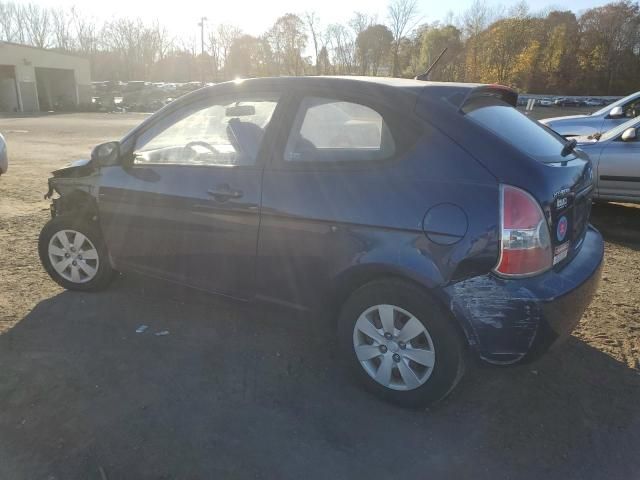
(400, 344)
(74, 255)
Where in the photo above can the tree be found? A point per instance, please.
(374, 45)
(249, 56)
(287, 39)
(342, 47)
(63, 38)
(610, 45)
(9, 21)
(433, 40)
(36, 22)
(402, 17)
(312, 23)
(474, 21)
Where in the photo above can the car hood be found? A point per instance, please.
(548, 121)
(74, 169)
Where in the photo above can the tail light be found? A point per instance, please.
(525, 247)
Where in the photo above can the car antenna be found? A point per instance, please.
(425, 76)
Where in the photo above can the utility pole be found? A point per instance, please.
(202, 59)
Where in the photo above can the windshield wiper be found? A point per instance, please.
(569, 147)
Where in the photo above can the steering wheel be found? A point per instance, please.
(200, 143)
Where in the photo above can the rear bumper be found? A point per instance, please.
(509, 320)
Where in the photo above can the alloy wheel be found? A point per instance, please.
(394, 347)
(73, 256)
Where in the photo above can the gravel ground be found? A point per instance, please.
(233, 392)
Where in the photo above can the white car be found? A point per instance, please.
(4, 161)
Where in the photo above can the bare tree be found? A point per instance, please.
(8, 21)
(475, 20)
(342, 45)
(220, 40)
(37, 23)
(402, 18)
(312, 23)
(359, 22)
(62, 35)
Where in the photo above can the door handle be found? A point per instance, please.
(224, 192)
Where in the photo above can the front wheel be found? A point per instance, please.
(400, 344)
(74, 255)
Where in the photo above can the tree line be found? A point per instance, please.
(553, 51)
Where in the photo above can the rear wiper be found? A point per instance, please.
(569, 147)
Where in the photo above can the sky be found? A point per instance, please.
(254, 17)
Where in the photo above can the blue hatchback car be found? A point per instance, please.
(425, 221)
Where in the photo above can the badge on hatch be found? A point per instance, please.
(562, 202)
(561, 230)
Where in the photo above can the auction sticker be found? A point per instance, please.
(560, 252)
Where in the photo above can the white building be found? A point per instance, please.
(35, 79)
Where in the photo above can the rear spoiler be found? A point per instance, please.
(499, 92)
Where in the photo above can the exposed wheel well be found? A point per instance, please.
(77, 203)
(347, 286)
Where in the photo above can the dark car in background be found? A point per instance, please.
(422, 221)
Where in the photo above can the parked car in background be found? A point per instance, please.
(421, 220)
(616, 159)
(545, 102)
(568, 102)
(594, 102)
(4, 157)
(600, 121)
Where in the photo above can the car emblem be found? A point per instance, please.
(561, 231)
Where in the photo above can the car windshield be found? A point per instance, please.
(509, 124)
(614, 132)
(619, 103)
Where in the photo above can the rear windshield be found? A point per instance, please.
(523, 133)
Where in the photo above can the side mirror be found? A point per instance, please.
(616, 112)
(106, 154)
(629, 135)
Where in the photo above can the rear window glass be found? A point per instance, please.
(508, 123)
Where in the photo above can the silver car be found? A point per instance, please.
(616, 162)
(603, 120)
(4, 161)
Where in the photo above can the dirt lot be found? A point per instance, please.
(233, 392)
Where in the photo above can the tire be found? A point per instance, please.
(441, 344)
(86, 262)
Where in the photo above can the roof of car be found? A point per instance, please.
(416, 87)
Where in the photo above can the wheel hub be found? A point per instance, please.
(73, 256)
(394, 347)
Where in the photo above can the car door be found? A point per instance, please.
(619, 169)
(187, 206)
(318, 206)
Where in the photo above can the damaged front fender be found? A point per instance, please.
(77, 188)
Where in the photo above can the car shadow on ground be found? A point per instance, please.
(240, 391)
(618, 223)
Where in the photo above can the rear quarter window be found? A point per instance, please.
(330, 130)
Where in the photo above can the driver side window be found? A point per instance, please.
(227, 133)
